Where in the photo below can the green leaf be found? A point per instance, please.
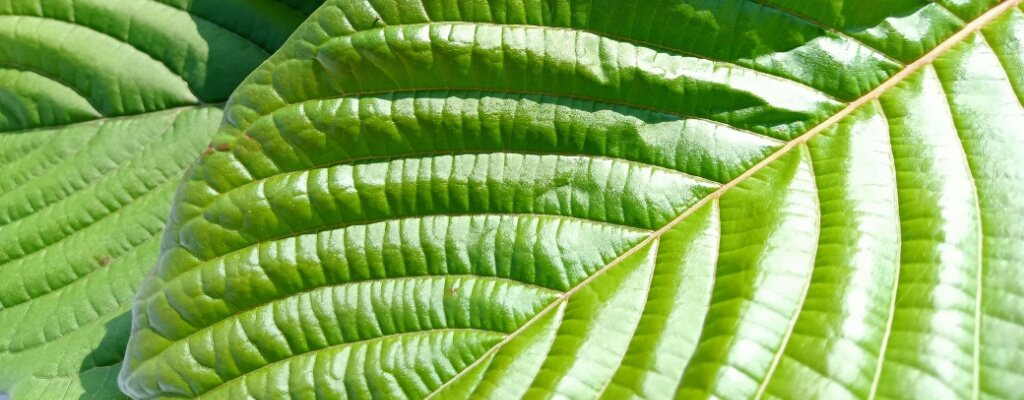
(615, 199)
(103, 105)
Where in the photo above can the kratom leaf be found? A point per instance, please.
(103, 105)
(606, 199)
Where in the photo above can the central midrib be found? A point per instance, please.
(894, 80)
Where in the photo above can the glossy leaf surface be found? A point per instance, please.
(606, 199)
(103, 105)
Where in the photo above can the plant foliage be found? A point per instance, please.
(543, 198)
(103, 105)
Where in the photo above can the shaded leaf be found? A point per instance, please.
(103, 105)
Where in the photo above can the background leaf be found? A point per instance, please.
(103, 105)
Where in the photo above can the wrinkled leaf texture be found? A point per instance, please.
(103, 105)
(606, 199)
(537, 198)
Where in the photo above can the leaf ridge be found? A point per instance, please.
(394, 89)
(141, 199)
(108, 177)
(7, 302)
(979, 274)
(235, 314)
(123, 307)
(411, 217)
(822, 25)
(567, 96)
(50, 76)
(946, 9)
(266, 52)
(375, 339)
(21, 148)
(239, 313)
(763, 387)
(56, 291)
(471, 152)
(1000, 57)
(624, 39)
(196, 98)
(647, 298)
(23, 175)
(101, 121)
(876, 378)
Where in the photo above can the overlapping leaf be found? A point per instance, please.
(103, 105)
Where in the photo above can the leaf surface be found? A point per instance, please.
(103, 105)
(606, 199)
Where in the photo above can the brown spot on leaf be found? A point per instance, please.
(104, 261)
